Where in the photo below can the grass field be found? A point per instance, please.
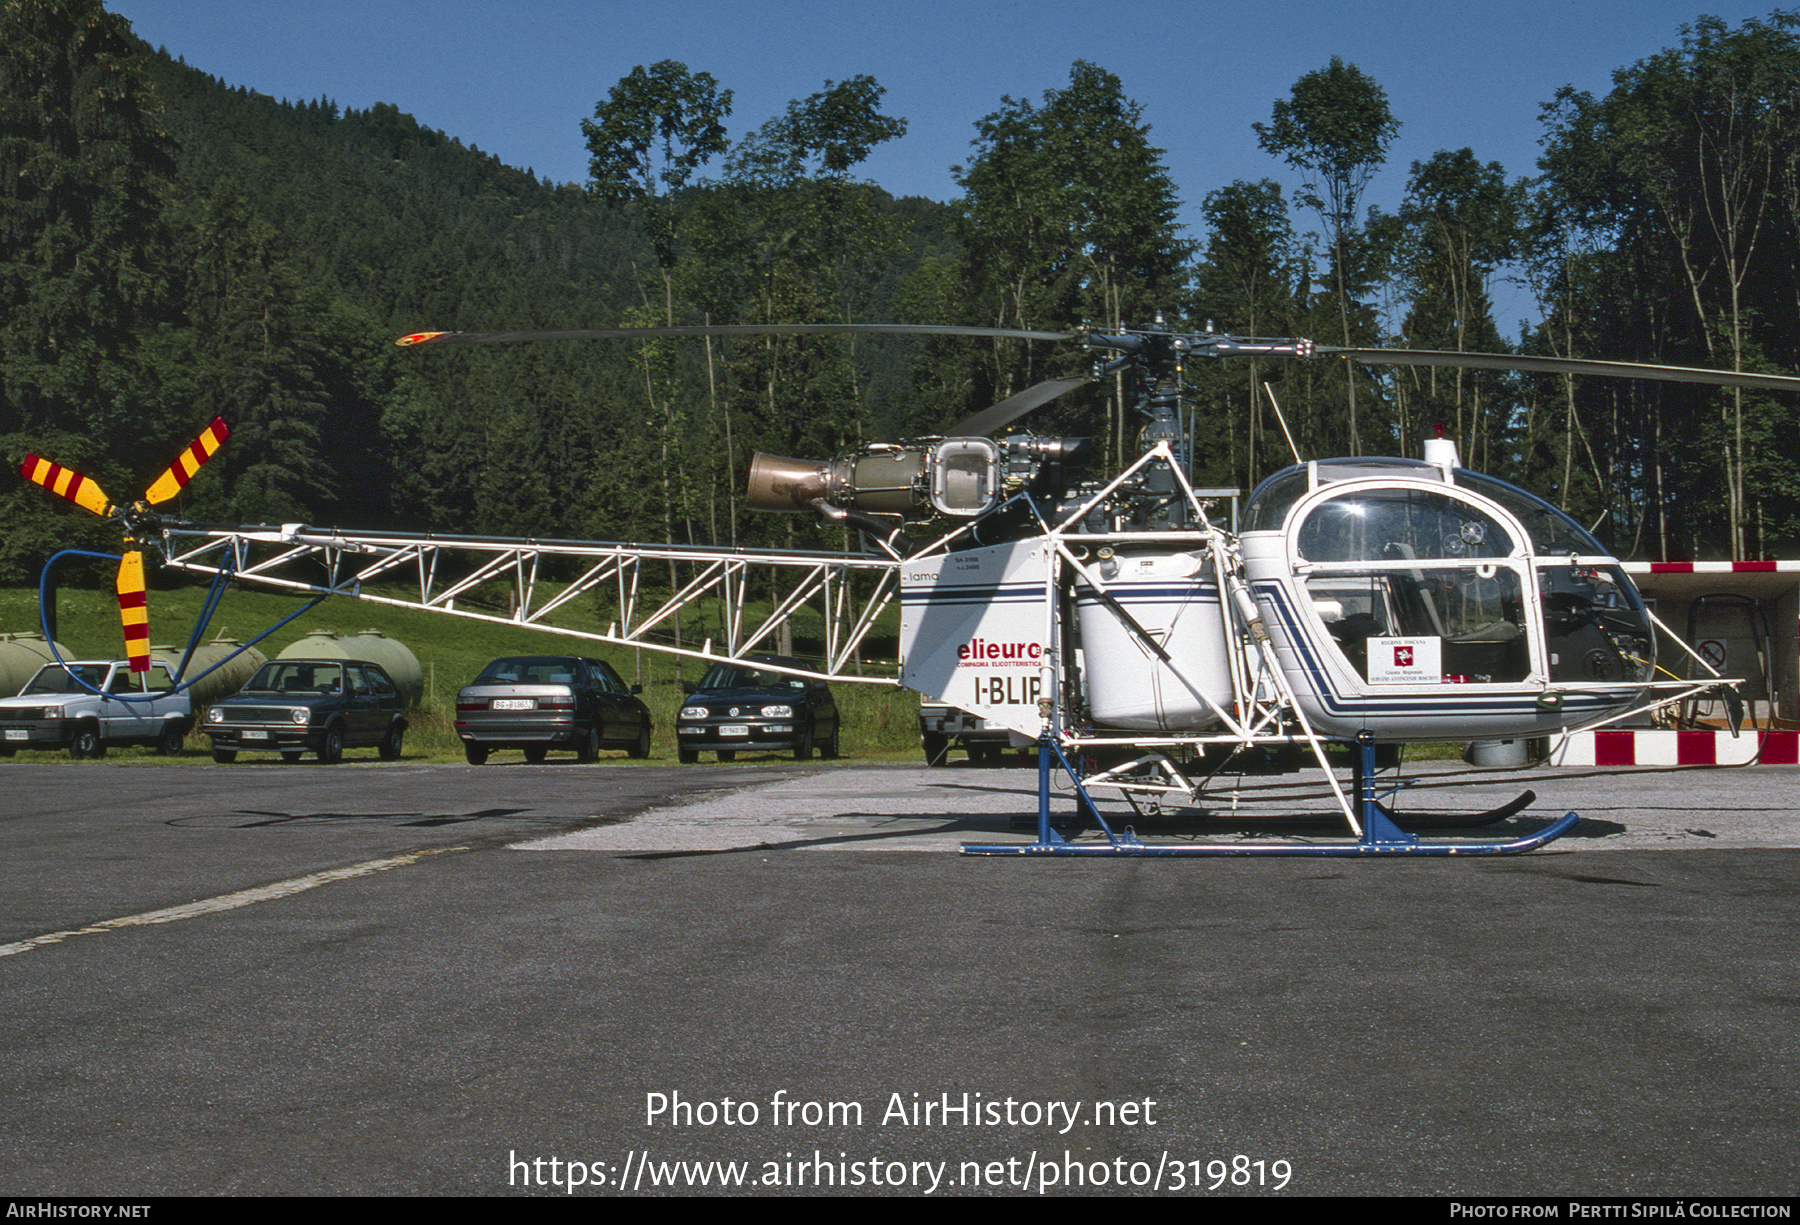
(879, 722)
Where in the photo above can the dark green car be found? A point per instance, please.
(297, 706)
(739, 708)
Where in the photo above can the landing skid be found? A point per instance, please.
(1362, 780)
(1460, 820)
(1380, 833)
(1412, 822)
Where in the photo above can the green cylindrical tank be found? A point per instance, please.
(21, 656)
(395, 658)
(215, 685)
(371, 645)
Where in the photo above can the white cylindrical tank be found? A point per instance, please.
(395, 658)
(372, 646)
(22, 656)
(1168, 595)
(220, 683)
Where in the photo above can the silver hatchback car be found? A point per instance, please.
(542, 702)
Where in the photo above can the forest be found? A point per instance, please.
(174, 248)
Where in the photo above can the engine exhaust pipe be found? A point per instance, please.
(787, 485)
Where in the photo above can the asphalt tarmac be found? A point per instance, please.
(407, 979)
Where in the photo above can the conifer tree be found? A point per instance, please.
(83, 249)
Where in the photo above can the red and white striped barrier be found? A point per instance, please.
(1637, 568)
(1672, 748)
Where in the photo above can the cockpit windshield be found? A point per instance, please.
(1271, 500)
(1552, 532)
(1403, 523)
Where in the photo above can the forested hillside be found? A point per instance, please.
(173, 248)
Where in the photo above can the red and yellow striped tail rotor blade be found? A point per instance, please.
(182, 471)
(65, 483)
(134, 610)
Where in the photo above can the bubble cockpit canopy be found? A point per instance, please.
(1415, 554)
(1550, 531)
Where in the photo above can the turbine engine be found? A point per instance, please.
(956, 478)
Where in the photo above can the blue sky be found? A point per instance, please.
(516, 79)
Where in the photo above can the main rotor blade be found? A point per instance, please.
(134, 610)
(418, 339)
(65, 483)
(1013, 407)
(182, 470)
(1563, 365)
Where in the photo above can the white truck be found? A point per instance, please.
(87, 706)
(942, 727)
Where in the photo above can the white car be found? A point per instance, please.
(87, 706)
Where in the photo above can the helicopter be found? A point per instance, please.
(1116, 623)
(1142, 644)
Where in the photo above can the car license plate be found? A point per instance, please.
(17, 733)
(256, 735)
(512, 704)
(734, 729)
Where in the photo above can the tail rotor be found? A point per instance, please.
(137, 520)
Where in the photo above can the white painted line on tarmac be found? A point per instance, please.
(228, 901)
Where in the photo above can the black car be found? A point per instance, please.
(324, 706)
(542, 702)
(736, 708)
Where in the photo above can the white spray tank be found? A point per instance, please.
(1442, 451)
